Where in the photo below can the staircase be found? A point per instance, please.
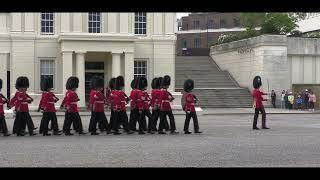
(213, 87)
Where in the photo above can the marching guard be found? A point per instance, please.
(257, 103)
(188, 106)
(3, 124)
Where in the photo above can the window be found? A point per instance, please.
(140, 23)
(47, 23)
(94, 22)
(47, 71)
(210, 24)
(196, 24)
(197, 42)
(236, 22)
(184, 43)
(140, 69)
(223, 23)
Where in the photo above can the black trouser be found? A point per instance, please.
(134, 115)
(192, 115)
(3, 124)
(73, 117)
(66, 115)
(256, 114)
(98, 118)
(24, 119)
(273, 101)
(111, 124)
(163, 120)
(142, 120)
(46, 118)
(155, 116)
(120, 117)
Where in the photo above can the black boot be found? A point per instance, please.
(57, 133)
(141, 132)
(116, 133)
(68, 134)
(46, 134)
(174, 132)
(255, 128)
(187, 132)
(198, 132)
(6, 134)
(161, 132)
(94, 133)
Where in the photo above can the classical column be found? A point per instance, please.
(67, 67)
(81, 75)
(116, 64)
(3, 72)
(128, 70)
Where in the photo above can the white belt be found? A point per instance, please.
(1, 104)
(191, 104)
(101, 102)
(51, 102)
(165, 101)
(24, 102)
(123, 101)
(73, 103)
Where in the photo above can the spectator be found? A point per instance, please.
(312, 100)
(273, 98)
(299, 102)
(286, 101)
(291, 100)
(306, 99)
(283, 105)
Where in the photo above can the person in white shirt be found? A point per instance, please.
(283, 103)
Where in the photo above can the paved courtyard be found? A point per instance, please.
(227, 141)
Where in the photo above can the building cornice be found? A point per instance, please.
(96, 37)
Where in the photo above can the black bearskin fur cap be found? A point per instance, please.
(112, 83)
(46, 85)
(119, 82)
(154, 83)
(159, 83)
(98, 83)
(133, 83)
(0, 83)
(22, 82)
(166, 81)
(142, 83)
(188, 85)
(72, 82)
(257, 82)
(93, 82)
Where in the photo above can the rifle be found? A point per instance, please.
(5, 101)
(172, 98)
(31, 99)
(127, 98)
(195, 98)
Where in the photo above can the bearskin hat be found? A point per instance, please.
(166, 80)
(154, 83)
(72, 82)
(22, 82)
(119, 82)
(0, 83)
(257, 82)
(112, 83)
(133, 83)
(159, 83)
(93, 82)
(142, 83)
(188, 85)
(46, 84)
(98, 83)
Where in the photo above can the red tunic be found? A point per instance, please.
(110, 99)
(134, 96)
(91, 98)
(21, 102)
(189, 102)
(257, 98)
(71, 101)
(119, 100)
(2, 101)
(47, 102)
(164, 100)
(98, 102)
(155, 94)
(143, 100)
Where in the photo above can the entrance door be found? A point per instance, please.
(88, 77)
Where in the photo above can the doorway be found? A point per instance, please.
(92, 69)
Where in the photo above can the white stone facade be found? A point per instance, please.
(281, 61)
(23, 46)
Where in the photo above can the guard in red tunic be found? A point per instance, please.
(48, 99)
(21, 102)
(97, 101)
(110, 103)
(165, 107)
(134, 112)
(70, 103)
(257, 103)
(154, 103)
(3, 124)
(143, 101)
(188, 106)
(120, 100)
